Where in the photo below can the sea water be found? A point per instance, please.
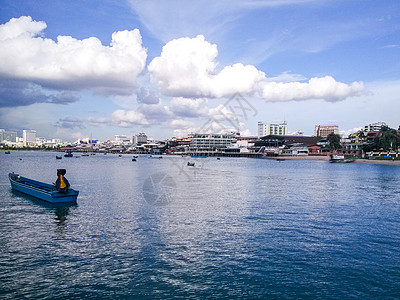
(222, 229)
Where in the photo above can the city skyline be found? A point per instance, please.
(321, 130)
(124, 67)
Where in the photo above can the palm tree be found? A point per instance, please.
(388, 138)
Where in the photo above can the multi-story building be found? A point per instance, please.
(271, 129)
(325, 130)
(40, 141)
(121, 139)
(139, 139)
(374, 126)
(210, 141)
(29, 138)
(8, 136)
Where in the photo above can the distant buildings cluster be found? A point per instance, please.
(272, 139)
(28, 139)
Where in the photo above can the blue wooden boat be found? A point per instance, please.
(43, 191)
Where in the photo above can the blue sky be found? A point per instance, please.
(74, 69)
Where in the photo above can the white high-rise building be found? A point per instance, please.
(374, 126)
(8, 136)
(271, 129)
(139, 139)
(29, 138)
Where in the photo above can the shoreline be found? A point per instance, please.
(326, 158)
(312, 158)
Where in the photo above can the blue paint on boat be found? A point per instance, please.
(41, 190)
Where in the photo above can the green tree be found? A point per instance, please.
(361, 134)
(333, 141)
(388, 138)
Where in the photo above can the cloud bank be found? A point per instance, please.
(69, 63)
(187, 67)
(15, 93)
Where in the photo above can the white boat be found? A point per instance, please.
(340, 159)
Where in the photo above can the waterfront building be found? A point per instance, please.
(374, 126)
(325, 130)
(139, 139)
(271, 129)
(276, 144)
(121, 139)
(176, 145)
(357, 137)
(353, 148)
(8, 136)
(300, 150)
(40, 141)
(56, 141)
(210, 141)
(371, 136)
(243, 144)
(29, 138)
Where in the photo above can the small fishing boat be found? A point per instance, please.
(340, 159)
(43, 191)
(68, 154)
(133, 159)
(280, 159)
(58, 157)
(7, 152)
(191, 164)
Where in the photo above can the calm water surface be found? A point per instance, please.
(224, 229)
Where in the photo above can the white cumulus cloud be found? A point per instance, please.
(180, 123)
(187, 67)
(127, 118)
(326, 88)
(70, 63)
(191, 108)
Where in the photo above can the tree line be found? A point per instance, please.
(386, 139)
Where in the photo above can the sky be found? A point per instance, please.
(76, 69)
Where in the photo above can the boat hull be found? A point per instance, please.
(342, 161)
(40, 190)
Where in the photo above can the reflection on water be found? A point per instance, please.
(61, 214)
(60, 210)
(231, 228)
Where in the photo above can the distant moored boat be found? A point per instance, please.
(68, 154)
(340, 159)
